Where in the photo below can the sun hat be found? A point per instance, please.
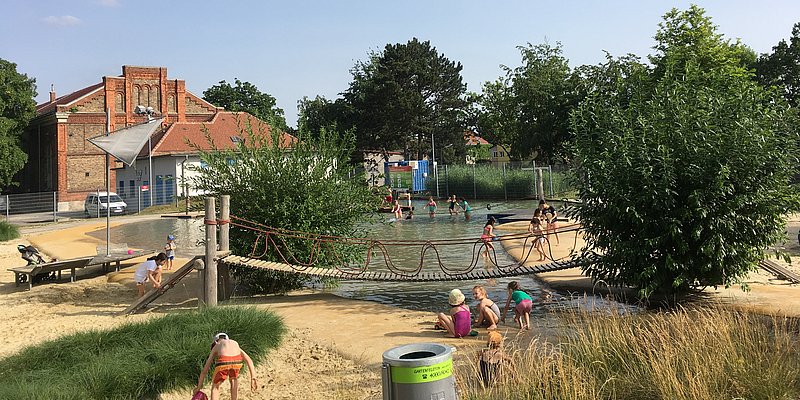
(170, 237)
(456, 297)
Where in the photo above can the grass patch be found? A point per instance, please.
(135, 361)
(8, 231)
(491, 182)
(686, 354)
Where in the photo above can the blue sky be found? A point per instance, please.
(292, 49)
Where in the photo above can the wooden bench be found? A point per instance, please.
(106, 261)
(30, 271)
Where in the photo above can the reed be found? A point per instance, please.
(8, 231)
(684, 354)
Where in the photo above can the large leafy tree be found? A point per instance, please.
(319, 113)
(403, 95)
(17, 107)
(685, 165)
(781, 68)
(527, 110)
(289, 188)
(246, 97)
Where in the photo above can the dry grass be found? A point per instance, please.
(683, 354)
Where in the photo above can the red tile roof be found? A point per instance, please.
(473, 140)
(222, 128)
(49, 106)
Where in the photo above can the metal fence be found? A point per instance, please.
(513, 180)
(43, 206)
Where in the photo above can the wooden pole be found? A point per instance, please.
(539, 184)
(210, 278)
(225, 288)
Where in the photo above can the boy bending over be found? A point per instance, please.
(229, 359)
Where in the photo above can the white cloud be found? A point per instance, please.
(63, 20)
(107, 3)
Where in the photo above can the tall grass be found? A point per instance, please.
(135, 361)
(8, 231)
(491, 182)
(686, 354)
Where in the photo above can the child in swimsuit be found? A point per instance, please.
(467, 209)
(487, 236)
(492, 360)
(535, 229)
(459, 321)
(169, 249)
(488, 312)
(453, 204)
(431, 207)
(229, 359)
(524, 305)
(397, 210)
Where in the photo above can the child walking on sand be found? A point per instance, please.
(229, 359)
(458, 322)
(492, 360)
(169, 250)
(535, 229)
(524, 305)
(488, 312)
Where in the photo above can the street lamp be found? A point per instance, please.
(149, 112)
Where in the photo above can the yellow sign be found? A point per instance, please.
(421, 374)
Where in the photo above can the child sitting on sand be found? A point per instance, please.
(229, 359)
(524, 304)
(488, 313)
(492, 359)
(458, 322)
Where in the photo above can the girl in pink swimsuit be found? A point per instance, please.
(458, 322)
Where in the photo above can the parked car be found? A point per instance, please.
(95, 206)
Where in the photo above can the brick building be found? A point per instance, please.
(62, 160)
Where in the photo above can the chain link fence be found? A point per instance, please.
(508, 181)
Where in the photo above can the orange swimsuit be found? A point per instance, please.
(227, 366)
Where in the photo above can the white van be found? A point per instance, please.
(95, 206)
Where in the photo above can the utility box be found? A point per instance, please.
(408, 175)
(418, 371)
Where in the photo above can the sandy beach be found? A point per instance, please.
(334, 345)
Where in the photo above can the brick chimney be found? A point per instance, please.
(52, 93)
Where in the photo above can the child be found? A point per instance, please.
(149, 270)
(522, 310)
(492, 358)
(169, 249)
(397, 210)
(535, 228)
(488, 312)
(453, 205)
(467, 209)
(229, 359)
(488, 235)
(410, 214)
(431, 207)
(458, 322)
(549, 213)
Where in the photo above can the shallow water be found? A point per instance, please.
(426, 296)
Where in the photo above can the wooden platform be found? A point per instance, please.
(780, 272)
(424, 276)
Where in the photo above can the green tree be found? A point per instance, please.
(246, 97)
(685, 167)
(781, 68)
(17, 107)
(303, 188)
(405, 94)
(527, 111)
(315, 115)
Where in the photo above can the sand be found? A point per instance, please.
(334, 345)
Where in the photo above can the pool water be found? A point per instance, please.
(425, 296)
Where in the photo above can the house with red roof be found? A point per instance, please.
(62, 160)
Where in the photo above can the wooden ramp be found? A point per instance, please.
(153, 294)
(475, 274)
(780, 272)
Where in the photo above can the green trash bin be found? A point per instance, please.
(419, 371)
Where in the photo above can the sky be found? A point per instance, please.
(292, 49)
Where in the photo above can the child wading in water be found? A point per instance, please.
(431, 207)
(524, 305)
(397, 210)
(488, 312)
(458, 322)
(169, 250)
(492, 360)
(229, 359)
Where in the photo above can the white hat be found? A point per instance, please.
(456, 297)
(221, 335)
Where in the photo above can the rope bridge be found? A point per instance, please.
(278, 242)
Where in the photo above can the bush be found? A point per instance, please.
(488, 182)
(681, 355)
(302, 186)
(137, 360)
(8, 231)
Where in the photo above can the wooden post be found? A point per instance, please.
(539, 184)
(225, 288)
(210, 273)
